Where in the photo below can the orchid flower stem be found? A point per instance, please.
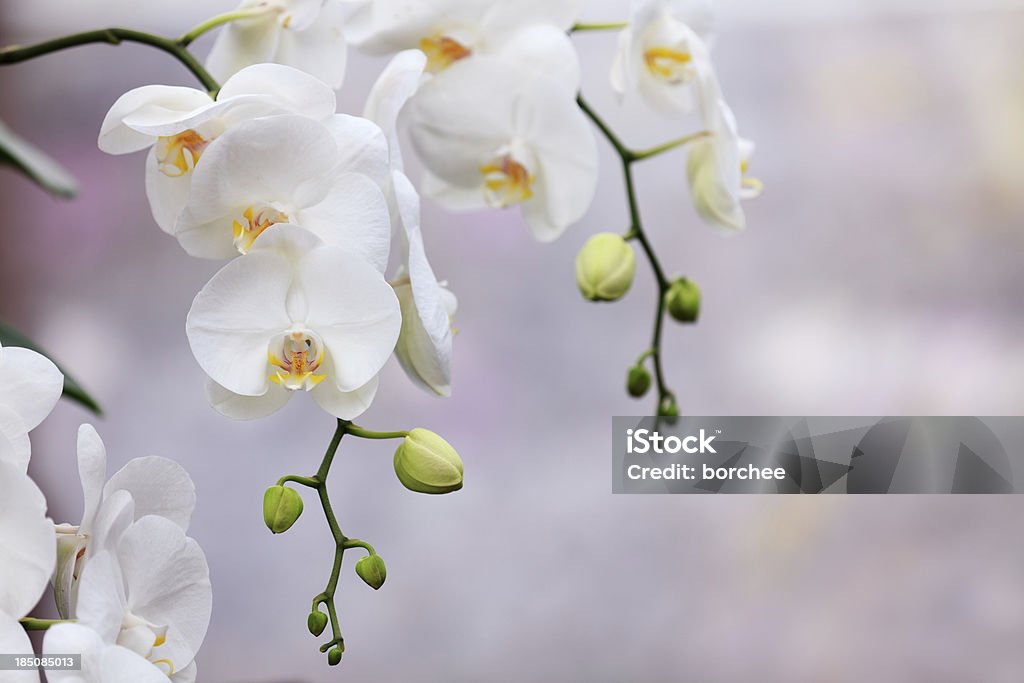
(226, 18)
(112, 36)
(367, 434)
(636, 232)
(608, 26)
(33, 624)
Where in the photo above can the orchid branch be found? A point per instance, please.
(604, 26)
(192, 34)
(33, 624)
(14, 54)
(629, 157)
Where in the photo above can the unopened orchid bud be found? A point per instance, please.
(605, 267)
(638, 382)
(316, 622)
(683, 300)
(334, 656)
(371, 569)
(668, 408)
(281, 508)
(426, 463)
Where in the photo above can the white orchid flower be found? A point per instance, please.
(305, 34)
(424, 346)
(498, 136)
(102, 662)
(179, 125)
(27, 557)
(145, 486)
(662, 52)
(450, 31)
(294, 315)
(296, 171)
(30, 386)
(717, 167)
(151, 594)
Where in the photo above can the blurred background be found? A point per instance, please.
(880, 275)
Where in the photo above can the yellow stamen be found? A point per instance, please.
(254, 222)
(442, 52)
(160, 640)
(169, 663)
(178, 154)
(299, 358)
(669, 64)
(506, 182)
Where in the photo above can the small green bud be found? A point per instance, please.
(316, 622)
(605, 267)
(371, 569)
(668, 408)
(683, 300)
(638, 382)
(426, 463)
(281, 507)
(334, 656)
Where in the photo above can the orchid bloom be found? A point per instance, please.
(149, 593)
(27, 557)
(291, 170)
(145, 486)
(451, 31)
(717, 166)
(305, 34)
(30, 386)
(499, 136)
(425, 343)
(102, 662)
(662, 52)
(294, 315)
(180, 125)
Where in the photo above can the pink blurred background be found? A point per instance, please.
(881, 274)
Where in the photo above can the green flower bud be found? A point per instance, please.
(668, 408)
(334, 656)
(683, 300)
(281, 507)
(371, 569)
(426, 463)
(316, 622)
(638, 382)
(605, 267)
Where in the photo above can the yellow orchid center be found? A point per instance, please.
(254, 220)
(442, 51)
(178, 154)
(295, 359)
(506, 182)
(669, 64)
(750, 188)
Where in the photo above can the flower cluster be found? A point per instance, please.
(136, 587)
(304, 201)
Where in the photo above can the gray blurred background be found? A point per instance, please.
(880, 275)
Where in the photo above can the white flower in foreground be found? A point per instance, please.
(150, 593)
(662, 52)
(294, 315)
(102, 662)
(425, 343)
(30, 386)
(450, 31)
(179, 125)
(145, 486)
(717, 167)
(305, 34)
(499, 136)
(323, 177)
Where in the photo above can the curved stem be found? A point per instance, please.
(669, 146)
(111, 36)
(357, 431)
(213, 22)
(33, 624)
(636, 231)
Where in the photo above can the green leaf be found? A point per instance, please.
(72, 389)
(35, 164)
